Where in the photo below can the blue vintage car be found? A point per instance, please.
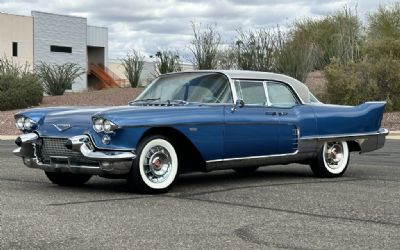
(198, 121)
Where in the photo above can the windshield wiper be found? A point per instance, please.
(162, 103)
(144, 100)
(176, 102)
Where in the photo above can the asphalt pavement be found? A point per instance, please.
(277, 207)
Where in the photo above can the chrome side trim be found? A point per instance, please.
(381, 131)
(308, 148)
(380, 102)
(254, 157)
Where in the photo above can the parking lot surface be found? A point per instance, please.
(276, 207)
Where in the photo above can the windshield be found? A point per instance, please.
(189, 87)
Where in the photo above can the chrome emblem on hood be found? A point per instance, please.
(62, 127)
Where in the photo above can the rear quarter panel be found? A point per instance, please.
(338, 120)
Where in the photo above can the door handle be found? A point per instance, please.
(282, 113)
(270, 113)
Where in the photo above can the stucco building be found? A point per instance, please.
(57, 39)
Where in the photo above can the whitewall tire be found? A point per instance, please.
(332, 160)
(156, 167)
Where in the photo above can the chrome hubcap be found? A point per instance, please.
(157, 165)
(334, 154)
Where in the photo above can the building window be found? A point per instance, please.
(15, 49)
(63, 49)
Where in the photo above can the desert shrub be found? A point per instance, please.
(57, 78)
(377, 75)
(18, 87)
(367, 80)
(349, 85)
(294, 57)
(205, 46)
(255, 49)
(338, 35)
(167, 61)
(133, 64)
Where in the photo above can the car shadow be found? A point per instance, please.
(186, 183)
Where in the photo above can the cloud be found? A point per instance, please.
(151, 25)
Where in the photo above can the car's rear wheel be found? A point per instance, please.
(245, 170)
(155, 169)
(332, 160)
(68, 179)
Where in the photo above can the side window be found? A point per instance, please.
(251, 92)
(279, 95)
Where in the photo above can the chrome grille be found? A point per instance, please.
(55, 147)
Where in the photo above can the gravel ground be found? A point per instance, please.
(115, 97)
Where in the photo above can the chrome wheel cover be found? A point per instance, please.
(157, 164)
(336, 156)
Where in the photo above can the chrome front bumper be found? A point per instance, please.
(105, 162)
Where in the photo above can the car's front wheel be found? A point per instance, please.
(156, 167)
(68, 179)
(332, 160)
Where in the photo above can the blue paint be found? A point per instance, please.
(215, 130)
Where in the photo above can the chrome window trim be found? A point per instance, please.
(266, 93)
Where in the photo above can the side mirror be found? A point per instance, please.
(238, 104)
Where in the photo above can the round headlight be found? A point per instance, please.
(20, 123)
(98, 125)
(28, 124)
(108, 126)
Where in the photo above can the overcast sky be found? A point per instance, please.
(151, 25)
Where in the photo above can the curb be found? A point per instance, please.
(8, 137)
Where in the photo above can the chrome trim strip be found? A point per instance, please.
(91, 138)
(254, 157)
(380, 132)
(106, 155)
(381, 102)
(79, 144)
(28, 138)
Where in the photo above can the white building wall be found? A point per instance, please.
(61, 30)
(98, 37)
(15, 28)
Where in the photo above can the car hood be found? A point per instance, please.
(63, 121)
(70, 121)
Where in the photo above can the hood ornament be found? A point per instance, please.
(62, 127)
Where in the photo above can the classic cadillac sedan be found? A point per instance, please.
(198, 121)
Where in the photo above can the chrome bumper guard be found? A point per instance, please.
(108, 162)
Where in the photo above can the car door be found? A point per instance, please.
(284, 103)
(251, 130)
